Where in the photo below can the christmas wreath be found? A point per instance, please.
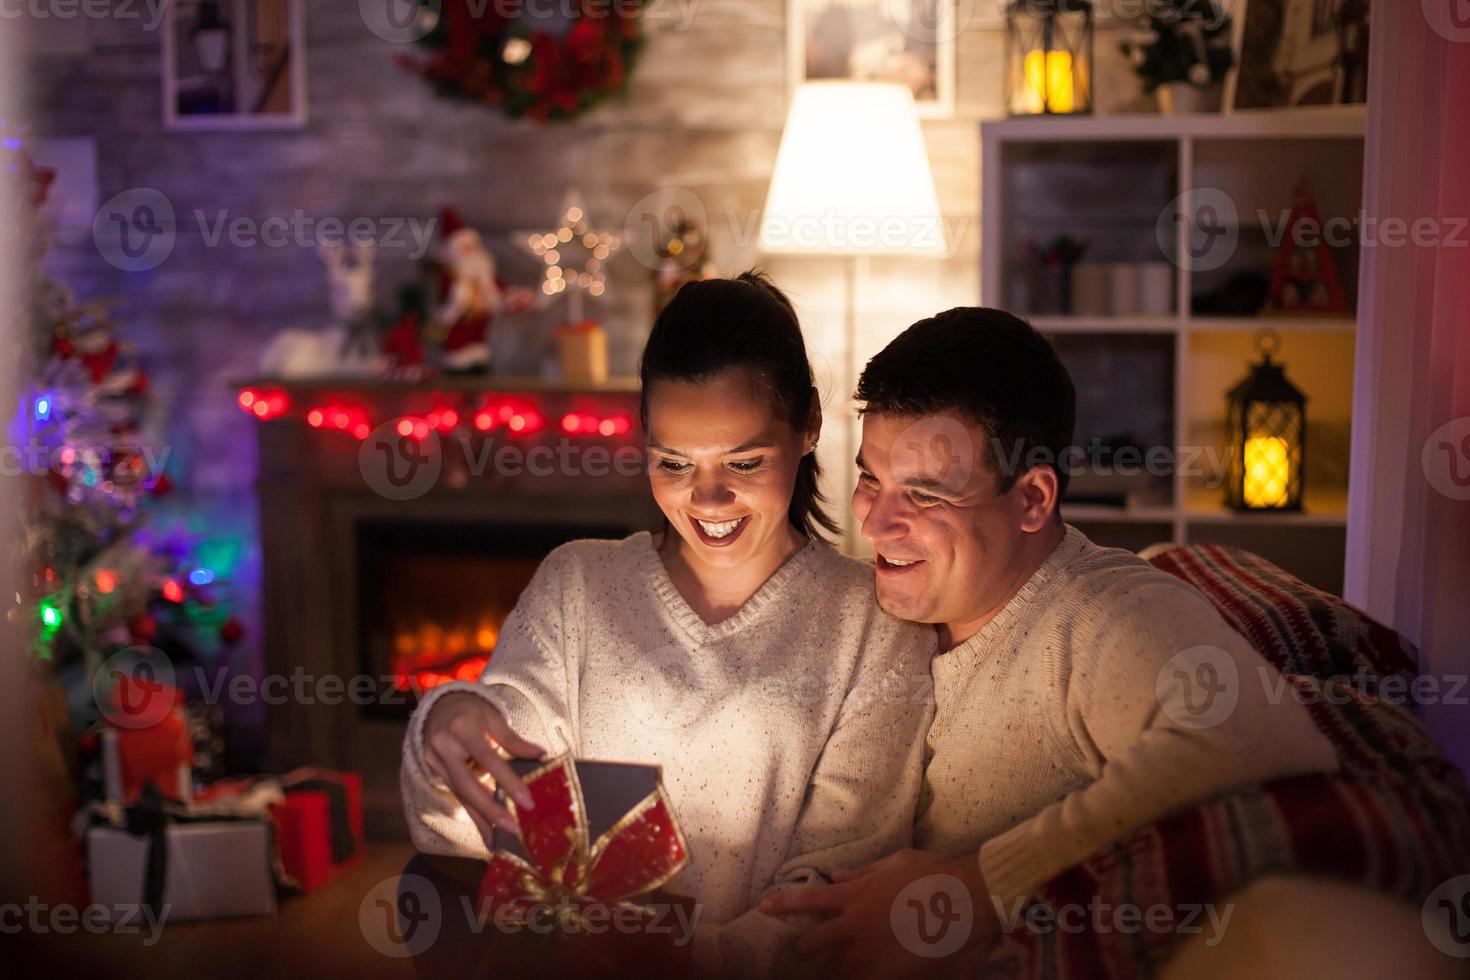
(499, 55)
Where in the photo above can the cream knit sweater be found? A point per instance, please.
(1054, 734)
(790, 734)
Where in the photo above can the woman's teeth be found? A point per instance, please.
(898, 564)
(719, 530)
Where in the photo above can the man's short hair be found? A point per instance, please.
(991, 368)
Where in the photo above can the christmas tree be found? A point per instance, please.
(96, 578)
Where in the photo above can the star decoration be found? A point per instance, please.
(574, 253)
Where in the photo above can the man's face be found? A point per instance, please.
(948, 544)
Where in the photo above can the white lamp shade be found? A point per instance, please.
(852, 176)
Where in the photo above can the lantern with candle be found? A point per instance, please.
(1266, 430)
(1049, 57)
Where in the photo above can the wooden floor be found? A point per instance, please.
(315, 935)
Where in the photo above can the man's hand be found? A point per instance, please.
(862, 940)
(463, 736)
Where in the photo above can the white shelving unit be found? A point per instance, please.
(1204, 147)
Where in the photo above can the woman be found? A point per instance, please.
(735, 648)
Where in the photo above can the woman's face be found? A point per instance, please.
(723, 464)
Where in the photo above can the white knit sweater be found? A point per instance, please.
(1051, 737)
(790, 734)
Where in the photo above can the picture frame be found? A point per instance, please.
(234, 64)
(1299, 54)
(905, 41)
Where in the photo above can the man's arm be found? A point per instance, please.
(1178, 708)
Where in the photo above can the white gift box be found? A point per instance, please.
(215, 869)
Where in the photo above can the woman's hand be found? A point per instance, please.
(462, 738)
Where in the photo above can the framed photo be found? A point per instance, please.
(1299, 53)
(911, 42)
(234, 64)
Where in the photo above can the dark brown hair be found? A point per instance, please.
(715, 325)
(988, 366)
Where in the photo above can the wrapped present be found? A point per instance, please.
(558, 864)
(181, 867)
(147, 741)
(319, 825)
(582, 350)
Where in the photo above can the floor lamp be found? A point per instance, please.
(852, 179)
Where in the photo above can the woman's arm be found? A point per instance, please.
(451, 758)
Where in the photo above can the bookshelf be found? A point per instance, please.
(1159, 377)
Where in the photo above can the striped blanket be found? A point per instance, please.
(1395, 818)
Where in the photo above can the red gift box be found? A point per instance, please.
(146, 741)
(304, 835)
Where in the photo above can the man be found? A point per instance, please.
(1080, 692)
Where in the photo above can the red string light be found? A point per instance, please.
(583, 424)
(344, 418)
(264, 405)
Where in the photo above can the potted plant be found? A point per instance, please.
(1182, 51)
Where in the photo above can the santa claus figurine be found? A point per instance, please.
(473, 296)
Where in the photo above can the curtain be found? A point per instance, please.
(1408, 553)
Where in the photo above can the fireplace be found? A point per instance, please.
(432, 598)
(365, 584)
